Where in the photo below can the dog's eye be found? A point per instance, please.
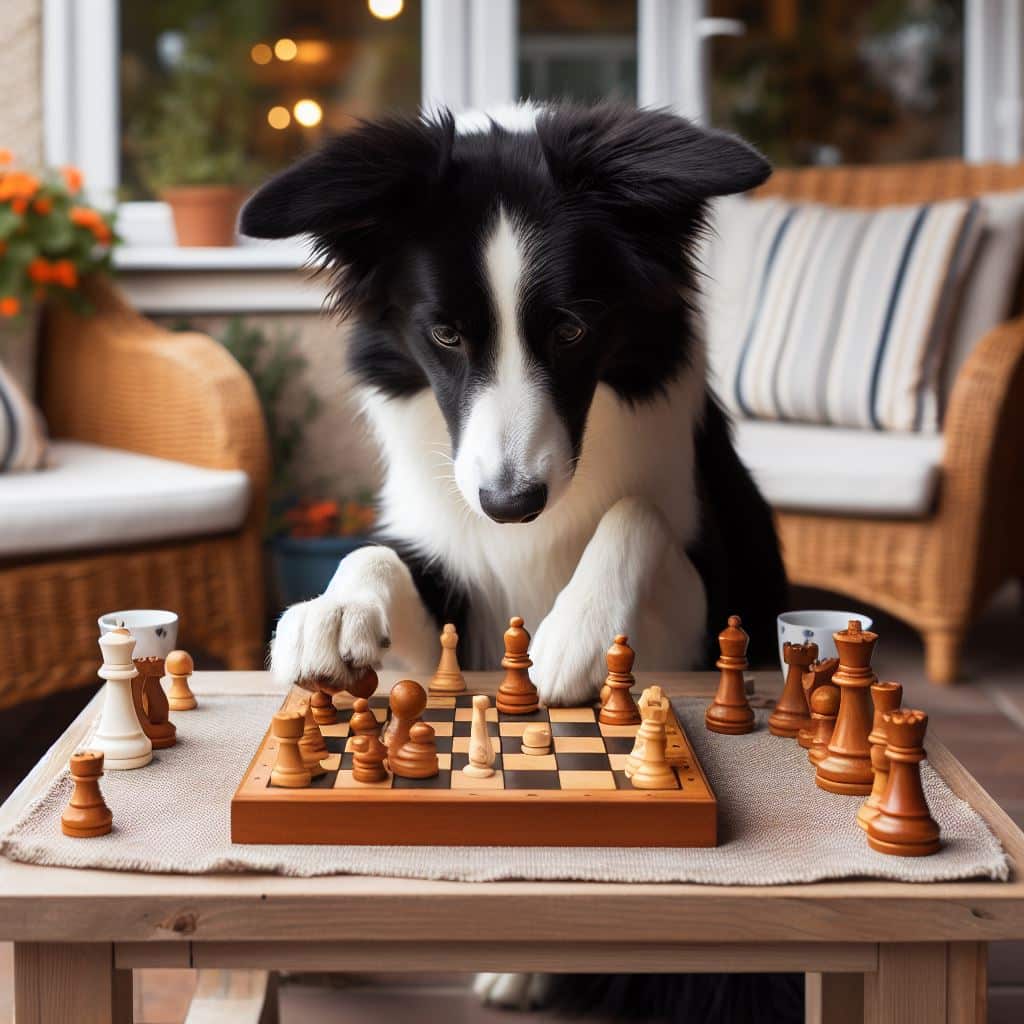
(445, 335)
(568, 334)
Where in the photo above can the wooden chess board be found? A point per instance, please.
(576, 796)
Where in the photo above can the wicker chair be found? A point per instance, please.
(114, 378)
(938, 573)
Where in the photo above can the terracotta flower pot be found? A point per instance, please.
(205, 214)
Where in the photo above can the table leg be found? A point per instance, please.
(967, 982)
(70, 981)
(915, 984)
(834, 998)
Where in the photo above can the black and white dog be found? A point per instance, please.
(529, 352)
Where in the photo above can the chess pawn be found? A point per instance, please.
(653, 770)
(151, 703)
(791, 713)
(368, 755)
(363, 720)
(824, 707)
(846, 769)
(178, 666)
(904, 825)
(729, 713)
(517, 695)
(481, 749)
(312, 746)
(448, 677)
(289, 771)
(618, 707)
(408, 700)
(86, 814)
(416, 758)
(323, 708)
(818, 674)
(885, 697)
(119, 735)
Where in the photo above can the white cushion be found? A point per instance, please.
(845, 472)
(93, 497)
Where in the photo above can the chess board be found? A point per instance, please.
(578, 795)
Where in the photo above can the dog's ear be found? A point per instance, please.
(648, 158)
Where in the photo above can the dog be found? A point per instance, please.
(528, 349)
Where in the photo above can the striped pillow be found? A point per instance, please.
(836, 316)
(22, 429)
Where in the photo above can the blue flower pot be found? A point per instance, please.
(303, 566)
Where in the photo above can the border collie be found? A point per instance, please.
(529, 355)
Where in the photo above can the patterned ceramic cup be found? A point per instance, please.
(155, 631)
(816, 627)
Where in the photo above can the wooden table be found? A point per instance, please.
(879, 951)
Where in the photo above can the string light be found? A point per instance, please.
(261, 54)
(308, 113)
(385, 9)
(278, 117)
(285, 49)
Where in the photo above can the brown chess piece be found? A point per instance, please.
(885, 697)
(824, 708)
(516, 695)
(416, 758)
(151, 703)
(323, 708)
(364, 686)
(178, 666)
(847, 767)
(86, 814)
(289, 771)
(368, 755)
(904, 825)
(448, 677)
(791, 714)
(312, 746)
(729, 712)
(818, 674)
(408, 699)
(363, 720)
(619, 708)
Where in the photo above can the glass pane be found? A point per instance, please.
(577, 49)
(835, 82)
(216, 91)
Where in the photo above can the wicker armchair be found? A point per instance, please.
(936, 574)
(114, 378)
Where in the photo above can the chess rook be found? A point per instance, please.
(653, 770)
(119, 735)
(407, 700)
(884, 697)
(846, 769)
(730, 713)
(791, 713)
(824, 708)
(416, 758)
(323, 708)
(289, 772)
(312, 746)
(903, 825)
(481, 749)
(448, 677)
(818, 674)
(618, 706)
(536, 740)
(86, 814)
(517, 695)
(633, 758)
(178, 666)
(151, 704)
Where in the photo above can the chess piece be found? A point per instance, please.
(416, 758)
(651, 694)
(323, 708)
(729, 712)
(791, 713)
(904, 825)
(119, 735)
(363, 720)
(818, 674)
(408, 699)
(368, 755)
(653, 770)
(481, 749)
(448, 677)
(312, 746)
(884, 697)
(517, 695)
(151, 704)
(619, 708)
(824, 708)
(289, 770)
(536, 740)
(847, 767)
(178, 666)
(86, 814)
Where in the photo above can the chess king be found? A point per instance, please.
(528, 356)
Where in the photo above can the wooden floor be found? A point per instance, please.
(981, 720)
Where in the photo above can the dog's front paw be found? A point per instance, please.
(568, 654)
(328, 641)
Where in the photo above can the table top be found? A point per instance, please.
(64, 904)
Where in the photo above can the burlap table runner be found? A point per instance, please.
(776, 826)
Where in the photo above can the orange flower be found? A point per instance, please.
(39, 271)
(9, 306)
(18, 185)
(73, 178)
(6, 156)
(63, 272)
(102, 233)
(85, 217)
(43, 205)
(19, 204)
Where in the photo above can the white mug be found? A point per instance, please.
(815, 627)
(155, 631)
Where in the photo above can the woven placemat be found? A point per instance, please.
(776, 826)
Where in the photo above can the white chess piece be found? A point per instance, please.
(481, 749)
(119, 735)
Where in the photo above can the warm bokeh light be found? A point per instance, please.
(308, 113)
(313, 51)
(285, 49)
(278, 117)
(261, 54)
(385, 9)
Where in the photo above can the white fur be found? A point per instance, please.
(515, 117)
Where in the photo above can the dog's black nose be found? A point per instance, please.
(514, 506)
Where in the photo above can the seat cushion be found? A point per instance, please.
(92, 497)
(844, 472)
